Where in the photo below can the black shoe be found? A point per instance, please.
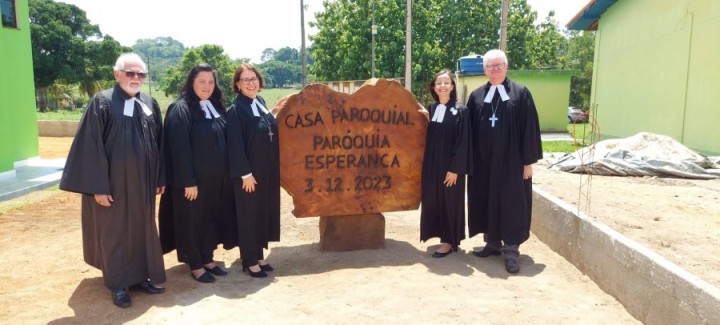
(121, 298)
(217, 270)
(511, 265)
(258, 274)
(266, 267)
(147, 287)
(487, 251)
(437, 254)
(204, 278)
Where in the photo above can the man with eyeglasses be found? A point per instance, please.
(114, 162)
(506, 142)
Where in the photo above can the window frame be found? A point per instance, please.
(12, 22)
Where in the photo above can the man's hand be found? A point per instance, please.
(527, 172)
(249, 184)
(104, 199)
(191, 193)
(450, 179)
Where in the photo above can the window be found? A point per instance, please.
(7, 7)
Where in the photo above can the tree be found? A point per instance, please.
(580, 54)
(98, 61)
(213, 55)
(443, 32)
(160, 53)
(268, 54)
(288, 55)
(59, 33)
(279, 74)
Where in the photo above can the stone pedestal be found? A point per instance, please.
(351, 233)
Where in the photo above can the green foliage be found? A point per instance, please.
(443, 31)
(58, 34)
(160, 54)
(287, 55)
(213, 55)
(67, 48)
(580, 54)
(279, 74)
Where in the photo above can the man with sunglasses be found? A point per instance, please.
(506, 142)
(114, 162)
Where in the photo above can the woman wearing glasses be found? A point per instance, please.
(253, 157)
(196, 210)
(445, 163)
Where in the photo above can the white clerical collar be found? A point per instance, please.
(491, 93)
(130, 107)
(208, 108)
(255, 105)
(439, 115)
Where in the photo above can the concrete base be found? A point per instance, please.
(652, 289)
(57, 128)
(351, 233)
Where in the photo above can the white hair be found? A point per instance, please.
(128, 57)
(495, 54)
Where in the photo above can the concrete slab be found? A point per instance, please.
(652, 289)
(32, 175)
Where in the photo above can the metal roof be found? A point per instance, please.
(587, 18)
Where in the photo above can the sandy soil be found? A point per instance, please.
(46, 281)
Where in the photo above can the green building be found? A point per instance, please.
(18, 125)
(656, 68)
(550, 90)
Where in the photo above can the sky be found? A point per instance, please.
(243, 28)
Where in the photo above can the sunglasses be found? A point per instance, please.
(132, 74)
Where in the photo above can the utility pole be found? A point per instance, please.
(408, 45)
(374, 31)
(503, 26)
(302, 43)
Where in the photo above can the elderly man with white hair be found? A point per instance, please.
(506, 142)
(114, 162)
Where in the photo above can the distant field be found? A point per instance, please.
(271, 96)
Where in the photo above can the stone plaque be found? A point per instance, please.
(352, 154)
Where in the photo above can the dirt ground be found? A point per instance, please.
(46, 281)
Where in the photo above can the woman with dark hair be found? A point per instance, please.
(196, 210)
(253, 159)
(446, 161)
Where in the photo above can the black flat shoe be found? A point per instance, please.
(437, 254)
(258, 274)
(217, 270)
(147, 287)
(511, 265)
(487, 251)
(204, 278)
(266, 267)
(121, 298)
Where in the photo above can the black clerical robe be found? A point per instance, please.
(253, 148)
(447, 149)
(499, 200)
(116, 154)
(196, 155)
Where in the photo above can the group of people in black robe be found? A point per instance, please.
(217, 170)
(494, 140)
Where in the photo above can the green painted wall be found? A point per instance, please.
(18, 121)
(657, 69)
(550, 90)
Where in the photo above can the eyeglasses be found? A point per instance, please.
(246, 81)
(132, 74)
(495, 66)
(443, 83)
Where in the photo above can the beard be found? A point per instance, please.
(130, 88)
